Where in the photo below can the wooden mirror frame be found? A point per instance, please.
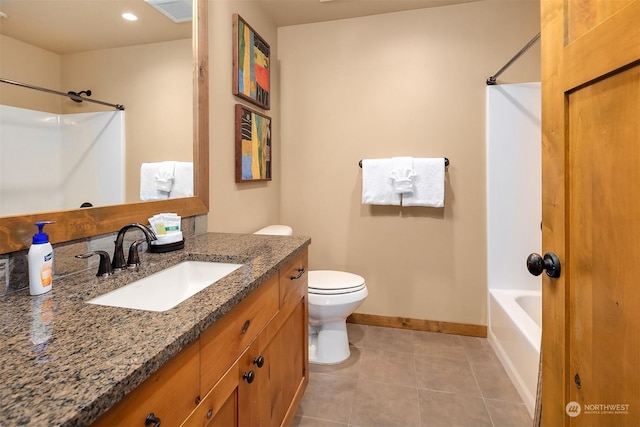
(16, 231)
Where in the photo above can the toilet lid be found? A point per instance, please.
(329, 282)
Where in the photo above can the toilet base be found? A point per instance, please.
(328, 343)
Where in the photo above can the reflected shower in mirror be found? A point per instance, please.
(57, 153)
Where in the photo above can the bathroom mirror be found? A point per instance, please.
(16, 231)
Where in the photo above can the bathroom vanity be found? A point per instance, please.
(233, 354)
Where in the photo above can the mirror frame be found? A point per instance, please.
(16, 231)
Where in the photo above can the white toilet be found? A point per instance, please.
(333, 296)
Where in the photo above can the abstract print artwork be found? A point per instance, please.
(251, 64)
(253, 145)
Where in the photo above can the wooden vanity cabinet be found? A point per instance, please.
(272, 371)
(249, 369)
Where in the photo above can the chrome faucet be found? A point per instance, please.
(119, 262)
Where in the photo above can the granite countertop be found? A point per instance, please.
(65, 362)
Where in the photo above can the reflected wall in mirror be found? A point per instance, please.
(161, 127)
(92, 154)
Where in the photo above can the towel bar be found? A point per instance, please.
(446, 162)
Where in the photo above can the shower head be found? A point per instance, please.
(77, 96)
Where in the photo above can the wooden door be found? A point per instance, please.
(591, 212)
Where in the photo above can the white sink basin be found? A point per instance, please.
(167, 288)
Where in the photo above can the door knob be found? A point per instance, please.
(550, 263)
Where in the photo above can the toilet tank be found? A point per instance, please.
(276, 230)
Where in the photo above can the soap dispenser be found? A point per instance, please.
(40, 261)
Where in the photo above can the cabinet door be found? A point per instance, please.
(219, 408)
(289, 363)
(169, 394)
(254, 387)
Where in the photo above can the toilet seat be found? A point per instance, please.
(329, 282)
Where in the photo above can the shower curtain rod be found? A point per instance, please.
(492, 80)
(71, 95)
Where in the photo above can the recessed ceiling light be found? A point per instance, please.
(129, 16)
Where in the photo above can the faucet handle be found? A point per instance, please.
(104, 269)
(134, 259)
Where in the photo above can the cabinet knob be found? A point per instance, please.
(152, 420)
(258, 361)
(209, 413)
(249, 376)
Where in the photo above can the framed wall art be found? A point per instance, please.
(253, 145)
(251, 64)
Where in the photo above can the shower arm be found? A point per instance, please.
(71, 95)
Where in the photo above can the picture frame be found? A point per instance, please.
(253, 145)
(251, 64)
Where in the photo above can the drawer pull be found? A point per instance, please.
(249, 376)
(259, 361)
(152, 419)
(300, 273)
(245, 327)
(198, 400)
(209, 413)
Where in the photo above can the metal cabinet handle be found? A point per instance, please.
(152, 419)
(300, 273)
(245, 327)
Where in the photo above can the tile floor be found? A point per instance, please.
(404, 378)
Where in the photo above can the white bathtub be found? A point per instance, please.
(515, 329)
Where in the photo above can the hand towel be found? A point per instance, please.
(164, 180)
(377, 188)
(402, 174)
(183, 180)
(428, 184)
(148, 181)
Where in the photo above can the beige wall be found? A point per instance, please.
(243, 207)
(412, 84)
(25, 63)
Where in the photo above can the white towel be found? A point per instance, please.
(164, 180)
(402, 174)
(183, 180)
(149, 181)
(428, 184)
(377, 188)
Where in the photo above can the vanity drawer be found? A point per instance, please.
(236, 330)
(293, 281)
(169, 394)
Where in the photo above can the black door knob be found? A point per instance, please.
(550, 263)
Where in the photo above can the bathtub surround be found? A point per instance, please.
(513, 230)
(81, 156)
